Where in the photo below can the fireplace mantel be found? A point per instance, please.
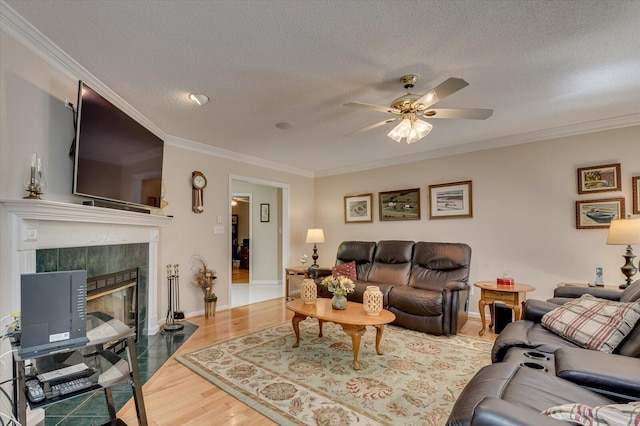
(29, 225)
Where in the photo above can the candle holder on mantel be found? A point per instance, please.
(36, 182)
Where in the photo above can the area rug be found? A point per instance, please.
(415, 381)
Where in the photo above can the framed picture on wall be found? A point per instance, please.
(400, 205)
(598, 214)
(599, 179)
(450, 200)
(635, 184)
(264, 212)
(357, 208)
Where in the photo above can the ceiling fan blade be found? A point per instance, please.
(373, 126)
(373, 107)
(438, 93)
(472, 113)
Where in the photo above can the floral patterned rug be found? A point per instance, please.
(415, 381)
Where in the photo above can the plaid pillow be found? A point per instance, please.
(614, 414)
(593, 323)
(345, 270)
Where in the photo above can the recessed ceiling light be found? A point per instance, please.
(283, 126)
(199, 98)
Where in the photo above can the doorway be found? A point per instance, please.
(241, 238)
(267, 243)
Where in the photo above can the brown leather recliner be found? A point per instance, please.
(424, 284)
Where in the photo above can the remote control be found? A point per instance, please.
(35, 393)
(71, 386)
(63, 372)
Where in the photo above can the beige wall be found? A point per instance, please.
(524, 211)
(34, 120)
(523, 208)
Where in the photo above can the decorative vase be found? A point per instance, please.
(210, 307)
(309, 292)
(372, 300)
(339, 302)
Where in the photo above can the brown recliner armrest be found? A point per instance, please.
(614, 376)
(455, 285)
(493, 411)
(316, 273)
(576, 292)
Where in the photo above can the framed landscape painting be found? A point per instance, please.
(635, 184)
(450, 200)
(357, 208)
(598, 214)
(599, 179)
(400, 205)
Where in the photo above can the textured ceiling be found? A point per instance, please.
(545, 67)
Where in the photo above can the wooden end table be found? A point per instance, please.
(354, 321)
(294, 271)
(513, 296)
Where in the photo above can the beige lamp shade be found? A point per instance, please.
(315, 235)
(624, 232)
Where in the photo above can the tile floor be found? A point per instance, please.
(91, 409)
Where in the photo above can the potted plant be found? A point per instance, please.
(205, 278)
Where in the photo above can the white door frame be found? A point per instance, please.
(285, 232)
(250, 197)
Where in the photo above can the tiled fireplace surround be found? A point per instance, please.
(43, 236)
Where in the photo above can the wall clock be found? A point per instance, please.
(198, 183)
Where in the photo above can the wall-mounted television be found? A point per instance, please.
(116, 158)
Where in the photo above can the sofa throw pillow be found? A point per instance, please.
(345, 270)
(609, 415)
(593, 323)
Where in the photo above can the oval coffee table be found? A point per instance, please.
(354, 321)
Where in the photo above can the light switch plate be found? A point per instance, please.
(218, 230)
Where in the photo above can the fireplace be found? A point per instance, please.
(41, 236)
(115, 295)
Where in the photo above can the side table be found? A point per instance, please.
(294, 271)
(512, 296)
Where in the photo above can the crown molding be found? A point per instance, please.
(20, 29)
(517, 139)
(232, 155)
(12, 23)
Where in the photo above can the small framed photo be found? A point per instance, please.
(450, 200)
(635, 184)
(264, 212)
(357, 208)
(598, 214)
(400, 205)
(599, 179)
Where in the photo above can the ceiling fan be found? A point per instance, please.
(409, 107)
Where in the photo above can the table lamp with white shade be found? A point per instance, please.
(625, 232)
(315, 235)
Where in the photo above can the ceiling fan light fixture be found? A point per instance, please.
(198, 98)
(401, 130)
(422, 128)
(411, 129)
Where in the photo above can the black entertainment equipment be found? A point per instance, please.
(502, 315)
(53, 312)
(116, 206)
(116, 158)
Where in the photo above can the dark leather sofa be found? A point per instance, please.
(508, 392)
(425, 284)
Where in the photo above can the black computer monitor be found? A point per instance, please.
(53, 313)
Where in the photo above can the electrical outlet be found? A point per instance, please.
(68, 104)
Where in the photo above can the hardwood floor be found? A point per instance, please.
(177, 396)
(239, 276)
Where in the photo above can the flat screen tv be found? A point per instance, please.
(116, 158)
